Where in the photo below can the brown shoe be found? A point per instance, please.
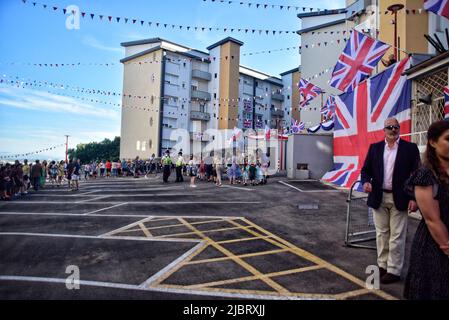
(382, 272)
(389, 278)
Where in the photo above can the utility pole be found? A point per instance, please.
(66, 147)
(394, 9)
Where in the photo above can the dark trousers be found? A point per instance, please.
(166, 174)
(36, 183)
(179, 177)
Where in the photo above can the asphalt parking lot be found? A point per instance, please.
(141, 239)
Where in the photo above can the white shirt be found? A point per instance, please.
(389, 160)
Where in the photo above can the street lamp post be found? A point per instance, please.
(66, 147)
(394, 8)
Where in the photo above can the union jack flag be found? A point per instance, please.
(297, 127)
(328, 109)
(357, 61)
(247, 105)
(446, 103)
(247, 123)
(307, 91)
(360, 117)
(439, 7)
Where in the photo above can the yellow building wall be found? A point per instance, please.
(410, 27)
(135, 124)
(229, 85)
(295, 112)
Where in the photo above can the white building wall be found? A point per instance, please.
(214, 88)
(316, 59)
(437, 24)
(287, 80)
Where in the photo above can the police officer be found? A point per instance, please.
(166, 162)
(179, 166)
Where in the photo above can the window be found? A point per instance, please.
(144, 146)
(183, 85)
(138, 145)
(288, 97)
(215, 76)
(184, 64)
(151, 121)
(215, 96)
(194, 88)
(150, 145)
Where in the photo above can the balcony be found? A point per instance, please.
(277, 113)
(202, 75)
(201, 95)
(198, 137)
(199, 115)
(277, 97)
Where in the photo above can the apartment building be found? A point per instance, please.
(171, 92)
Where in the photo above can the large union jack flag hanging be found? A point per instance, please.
(439, 7)
(446, 103)
(360, 117)
(307, 91)
(357, 61)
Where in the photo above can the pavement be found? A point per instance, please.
(132, 238)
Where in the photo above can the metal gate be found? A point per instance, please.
(360, 230)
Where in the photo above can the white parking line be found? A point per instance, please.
(50, 235)
(99, 210)
(134, 202)
(239, 188)
(98, 198)
(288, 185)
(155, 289)
(308, 191)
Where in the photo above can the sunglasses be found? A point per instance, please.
(392, 127)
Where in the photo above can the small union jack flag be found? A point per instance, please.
(439, 7)
(446, 103)
(297, 127)
(307, 91)
(328, 109)
(247, 123)
(357, 61)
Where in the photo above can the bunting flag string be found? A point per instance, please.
(21, 82)
(290, 8)
(145, 62)
(113, 19)
(15, 156)
(167, 100)
(38, 83)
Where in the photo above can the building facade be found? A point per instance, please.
(173, 93)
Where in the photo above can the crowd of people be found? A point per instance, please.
(214, 168)
(18, 179)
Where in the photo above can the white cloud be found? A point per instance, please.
(30, 99)
(94, 43)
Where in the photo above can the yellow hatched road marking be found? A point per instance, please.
(305, 254)
(247, 255)
(174, 225)
(237, 260)
(205, 231)
(241, 240)
(250, 278)
(147, 233)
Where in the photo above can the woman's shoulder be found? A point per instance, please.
(423, 177)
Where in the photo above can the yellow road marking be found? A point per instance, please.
(239, 261)
(319, 261)
(247, 255)
(250, 278)
(242, 239)
(205, 231)
(147, 233)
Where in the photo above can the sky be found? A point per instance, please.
(33, 118)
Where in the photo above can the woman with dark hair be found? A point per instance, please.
(428, 274)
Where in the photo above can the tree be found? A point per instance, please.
(97, 151)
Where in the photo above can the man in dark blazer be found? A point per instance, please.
(387, 167)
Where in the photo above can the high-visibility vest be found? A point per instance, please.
(179, 162)
(166, 161)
